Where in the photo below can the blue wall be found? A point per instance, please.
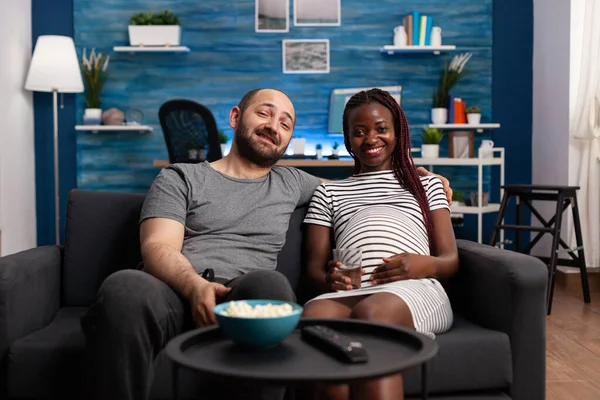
(227, 58)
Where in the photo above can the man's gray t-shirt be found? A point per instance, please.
(231, 225)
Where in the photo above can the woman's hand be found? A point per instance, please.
(334, 279)
(403, 266)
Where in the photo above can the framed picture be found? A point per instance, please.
(461, 144)
(339, 98)
(305, 56)
(317, 12)
(272, 16)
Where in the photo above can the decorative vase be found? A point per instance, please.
(439, 115)
(298, 146)
(319, 154)
(223, 148)
(474, 197)
(436, 36)
(92, 116)
(474, 118)
(400, 37)
(430, 150)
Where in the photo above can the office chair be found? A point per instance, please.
(188, 125)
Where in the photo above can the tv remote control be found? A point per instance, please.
(335, 344)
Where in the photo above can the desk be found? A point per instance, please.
(291, 163)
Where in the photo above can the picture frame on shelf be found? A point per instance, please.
(461, 144)
(272, 16)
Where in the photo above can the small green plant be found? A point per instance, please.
(335, 145)
(223, 138)
(457, 195)
(432, 136)
(149, 18)
(193, 145)
(473, 110)
(319, 147)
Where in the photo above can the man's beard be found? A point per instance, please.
(246, 143)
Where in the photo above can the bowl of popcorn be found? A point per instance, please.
(258, 323)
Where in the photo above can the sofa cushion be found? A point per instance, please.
(47, 363)
(102, 237)
(470, 358)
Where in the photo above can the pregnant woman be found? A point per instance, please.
(399, 221)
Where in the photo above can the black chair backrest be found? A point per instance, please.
(186, 125)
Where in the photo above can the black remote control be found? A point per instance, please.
(334, 343)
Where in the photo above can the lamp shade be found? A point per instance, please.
(54, 66)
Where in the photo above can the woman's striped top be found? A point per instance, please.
(371, 211)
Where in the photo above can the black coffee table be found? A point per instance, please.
(293, 362)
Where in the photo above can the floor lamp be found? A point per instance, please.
(55, 68)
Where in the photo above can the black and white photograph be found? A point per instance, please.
(306, 56)
(317, 12)
(272, 16)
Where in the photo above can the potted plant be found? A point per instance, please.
(154, 29)
(474, 115)
(94, 73)
(458, 198)
(319, 151)
(193, 149)
(431, 142)
(450, 77)
(223, 139)
(334, 150)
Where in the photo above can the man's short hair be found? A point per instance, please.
(243, 104)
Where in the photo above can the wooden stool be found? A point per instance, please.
(564, 196)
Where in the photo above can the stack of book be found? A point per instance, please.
(418, 29)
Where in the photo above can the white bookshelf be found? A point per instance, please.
(152, 49)
(390, 49)
(497, 159)
(113, 128)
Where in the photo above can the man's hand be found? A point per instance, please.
(203, 299)
(403, 266)
(447, 189)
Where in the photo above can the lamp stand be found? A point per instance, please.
(56, 185)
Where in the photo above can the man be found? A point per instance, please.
(229, 217)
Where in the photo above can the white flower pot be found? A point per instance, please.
(154, 35)
(298, 146)
(92, 116)
(439, 115)
(319, 153)
(192, 154)
(334, 152)
(430, 150)
(474, 118)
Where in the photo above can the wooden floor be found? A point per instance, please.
(573, 346)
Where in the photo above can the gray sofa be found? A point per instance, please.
(495, 350)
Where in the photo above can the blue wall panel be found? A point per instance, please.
(228, 58)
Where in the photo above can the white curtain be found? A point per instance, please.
(585, 134)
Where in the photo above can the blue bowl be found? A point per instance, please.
(258, 332)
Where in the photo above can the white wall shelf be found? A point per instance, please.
(113, 128)
(465, 127)
(152, 49)
(389, 49)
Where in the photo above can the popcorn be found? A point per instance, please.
(245, 310)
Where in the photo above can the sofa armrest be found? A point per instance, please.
(506, 291)
(29, 292)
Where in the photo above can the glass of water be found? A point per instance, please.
(351, 260)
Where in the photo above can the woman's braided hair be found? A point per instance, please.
(402, 162)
